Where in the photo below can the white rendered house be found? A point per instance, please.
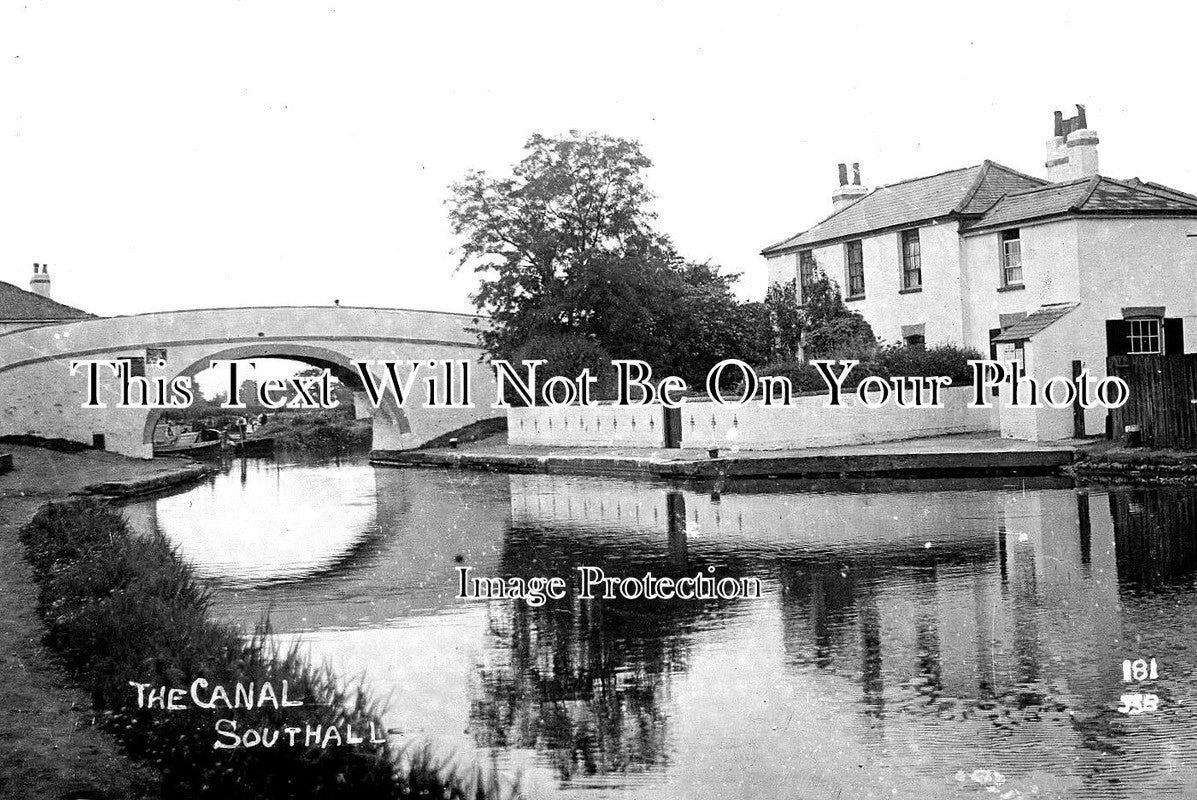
(1073, 268)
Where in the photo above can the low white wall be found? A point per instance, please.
(805, 423)
(808, 423)
(603, 425)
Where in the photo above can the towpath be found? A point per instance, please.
(50, 746)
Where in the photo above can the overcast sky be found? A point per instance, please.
(251, 153)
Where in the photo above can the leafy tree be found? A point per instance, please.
(623, 304)
(706, 324)
(566, 248)
(574, 204)
(248, 393)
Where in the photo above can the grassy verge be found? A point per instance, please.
(475, 431)
(120, 608)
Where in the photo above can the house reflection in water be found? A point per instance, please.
(1155, 537)
(909, 634)
(938, 625)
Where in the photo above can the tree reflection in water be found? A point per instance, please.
(570, 688)
(1014, 635)
(585, 682)
(908, 631)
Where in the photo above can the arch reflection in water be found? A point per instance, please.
(264, 523)
(908, 632)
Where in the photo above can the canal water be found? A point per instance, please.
(913, 639)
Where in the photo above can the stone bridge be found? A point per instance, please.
(38, 394)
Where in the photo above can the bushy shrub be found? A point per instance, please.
(829, 328)
(330, 433)
(802, 375)
(941, 359)
(887, 361)
(567, 355)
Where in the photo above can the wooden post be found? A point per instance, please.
(1078, 413)
(673, 427)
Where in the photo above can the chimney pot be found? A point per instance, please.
(1072, 152)
(848, 193)
(40, 282)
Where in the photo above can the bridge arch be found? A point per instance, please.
(338, 364)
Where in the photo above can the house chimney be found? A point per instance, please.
(40, 282)
(848, 193)
(1072, 150)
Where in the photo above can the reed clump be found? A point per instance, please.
(121, 608)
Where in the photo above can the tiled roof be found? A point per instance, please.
(1096, 195)
(1034, 322)
(969, 190)
(18, 305)
(995, 181)
(1159, 187)
(1112, 195)
(1047, 201)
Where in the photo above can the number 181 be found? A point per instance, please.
(1138, 670)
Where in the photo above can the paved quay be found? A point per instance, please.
(968, 454)
(49, 742)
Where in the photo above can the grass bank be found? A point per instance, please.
(120, 607)
(1111, 461)
(57, 445)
